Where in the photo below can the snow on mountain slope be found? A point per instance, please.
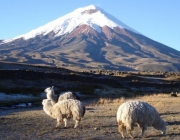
(89, 38)
(91, 15)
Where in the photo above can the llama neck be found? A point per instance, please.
(159, 124)
(53, 101)
(51, 96)
(48, 109)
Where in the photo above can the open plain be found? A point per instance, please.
(99, 122)
(101, 91)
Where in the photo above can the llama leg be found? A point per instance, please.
(121, 128)
(129, 129)
(65, 122)
(130, 134)
(58, 123)
(76, 123)
(143, 130)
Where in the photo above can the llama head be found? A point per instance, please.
(164, 125)
(49, 90)
(50, 94)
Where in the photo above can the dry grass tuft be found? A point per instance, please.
(103, 101)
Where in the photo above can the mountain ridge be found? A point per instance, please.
(91, 46)
(69, 22)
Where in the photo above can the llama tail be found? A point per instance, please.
(84, 110)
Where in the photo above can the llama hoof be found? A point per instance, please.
(57, 127)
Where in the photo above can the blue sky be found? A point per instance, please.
(156, 19)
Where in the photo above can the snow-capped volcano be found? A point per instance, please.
(89, 38)
(92, 16)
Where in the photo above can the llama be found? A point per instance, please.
(141, 113)
(64, 110)
(54, 98)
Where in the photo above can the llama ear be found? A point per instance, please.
(52, 87)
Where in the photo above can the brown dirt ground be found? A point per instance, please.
(99, 122)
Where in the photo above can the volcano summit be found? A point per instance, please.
(89, 38)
